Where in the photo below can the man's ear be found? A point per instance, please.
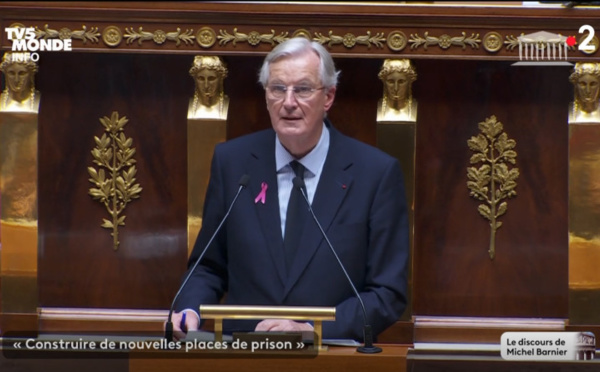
(329, 98)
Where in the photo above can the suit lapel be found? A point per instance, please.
(331, 191)
(261, 169)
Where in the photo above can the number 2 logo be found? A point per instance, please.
(585, 45)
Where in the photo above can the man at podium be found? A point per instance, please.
(270, 250)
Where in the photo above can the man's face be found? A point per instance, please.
(18, 78)
(396, 85)
(588, 88)
(207, 84)
(298, 121)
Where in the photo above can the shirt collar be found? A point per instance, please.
(313, 161)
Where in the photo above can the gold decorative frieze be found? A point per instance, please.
(206, 37)
(114, 180)
(445, 41)
(397, 41)
(253, 38)
(492, 42)
(511, 42)
(159, 36)
(493, 181)
(349, 40)
(64, 33)
(112, 36)
(301, 32)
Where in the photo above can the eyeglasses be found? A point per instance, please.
(279, 91)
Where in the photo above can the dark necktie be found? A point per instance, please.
(296, 216)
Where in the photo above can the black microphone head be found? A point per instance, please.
(244, 180)
(298, 182)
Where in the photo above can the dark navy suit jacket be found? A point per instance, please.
(360, 203)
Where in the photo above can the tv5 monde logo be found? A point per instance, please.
(548, 49)
(25, 44)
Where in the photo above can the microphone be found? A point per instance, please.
(169, 324)
(368, 347)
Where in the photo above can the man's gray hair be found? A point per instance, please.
(297, 46)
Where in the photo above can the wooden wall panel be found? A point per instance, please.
(454, 275)
(77, 264)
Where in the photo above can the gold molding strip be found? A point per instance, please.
(115, 154)
(349, 40)
(493, 181)
(253, 38)
(159, 36)
(445, 41)
(206, 37)
(102, 314)
(85, 35)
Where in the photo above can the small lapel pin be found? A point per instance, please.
(262, 195)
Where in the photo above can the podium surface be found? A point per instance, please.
(347, 359)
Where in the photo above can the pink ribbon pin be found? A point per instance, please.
(262, 194)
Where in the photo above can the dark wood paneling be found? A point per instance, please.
(453, 274)
(77, 264)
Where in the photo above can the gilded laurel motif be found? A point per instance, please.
(444, 41)
(86, 35)
(493, 181)
(114, 155)
(253, 38)
(159, 36)
(349, 40)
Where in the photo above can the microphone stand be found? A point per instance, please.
(169, 324)
(368, 347)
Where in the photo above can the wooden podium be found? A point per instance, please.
(346, 359)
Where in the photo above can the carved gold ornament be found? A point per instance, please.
(206, 37)
(115, 177)
(349, 40)
(253, 38)
(492, 42)
(301, 32)
(396, 41)
(159, 36)
(85, 35)
(493, 181)
(112, 36)
(445, 41)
